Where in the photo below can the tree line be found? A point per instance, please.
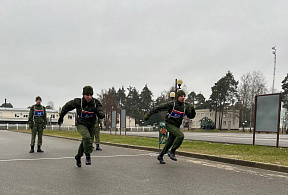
(226, 94)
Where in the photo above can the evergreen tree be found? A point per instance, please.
(146, 99)
(224, 93)
(121, 98)
(133, 105)
(191, 97)
(200, 101)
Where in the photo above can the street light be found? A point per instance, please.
(178, 84)
(172, 95)
(274, 52)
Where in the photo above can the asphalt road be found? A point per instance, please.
(239, 138)
(121, 171)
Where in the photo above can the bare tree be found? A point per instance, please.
(109, 104)
(251, 84)
(50, 105)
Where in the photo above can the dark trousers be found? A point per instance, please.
(175, 139)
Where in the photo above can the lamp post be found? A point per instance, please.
(243, 125)
(274, 52)
(283, 121)
(178, 84)
(286, 120)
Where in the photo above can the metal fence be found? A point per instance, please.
(73, 128)
(139, 128)
(25, 126)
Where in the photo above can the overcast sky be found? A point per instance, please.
(53, 48)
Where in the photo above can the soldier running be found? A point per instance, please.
(87, 110)
(176, 112)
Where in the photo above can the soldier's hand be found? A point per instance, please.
(146, 117)
(30, 125)
(60, 120)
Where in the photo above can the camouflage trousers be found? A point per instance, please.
(96, 135)
(86, 143)
(175, 139)
(37, 128)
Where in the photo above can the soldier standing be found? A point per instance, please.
(87, 110)
(175, 114)
(96, 134)
(37, 122)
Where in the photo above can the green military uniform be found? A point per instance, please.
(96, 134)
(37, 122)
(175, 113)
(87, 113)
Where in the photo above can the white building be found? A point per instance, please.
(20, 116)
(230, 120)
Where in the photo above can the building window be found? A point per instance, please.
(224, 115)
(224, 123)
(70, 116)
(202, 115)
(25, 115)
(229, 115)
(210, 114)
(17, 115)
(52, 116)
(206, 114)
(198, 115)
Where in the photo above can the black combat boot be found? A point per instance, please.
(32, 149)
(88, 159)
(98, 147)
(171, 154)
(39, 149)
(160, 158)
(78, 160)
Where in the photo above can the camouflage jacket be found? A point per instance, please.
(86, 112)
(175, 112)
(37, 115)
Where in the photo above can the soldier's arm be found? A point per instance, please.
(161, 107)
(71, 105)
(99, 110)
(45, 116)
(190, 111)
(30, 117)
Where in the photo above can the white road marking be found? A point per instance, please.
(61, 158)
(269, 174)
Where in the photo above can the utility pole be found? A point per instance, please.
(274, 52)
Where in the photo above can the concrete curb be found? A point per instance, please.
(267, 166)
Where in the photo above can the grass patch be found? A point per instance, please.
(264, 154)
